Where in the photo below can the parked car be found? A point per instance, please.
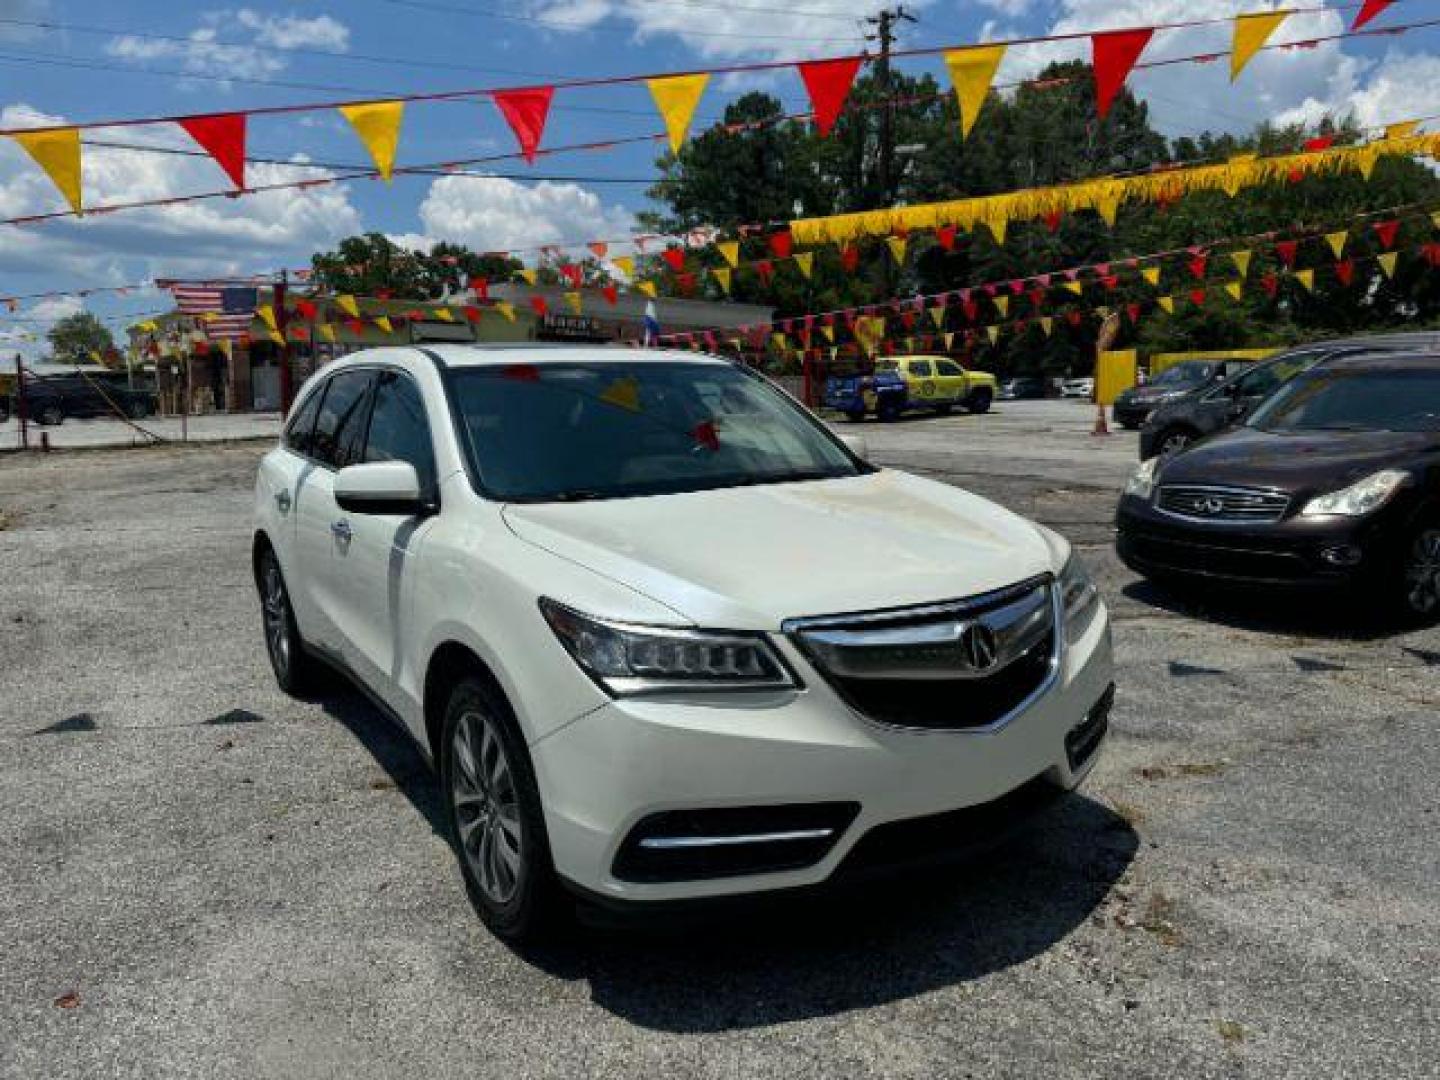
(1333, 482)
(626, 604)
(1132, 406)
(1023, 386)
(51, 399)
(906, 383)
(1078, 388)
(1207, 409)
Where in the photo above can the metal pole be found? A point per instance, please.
(20, 406)
(287, 377)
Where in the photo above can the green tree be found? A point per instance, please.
(75, 337)
(374, 265)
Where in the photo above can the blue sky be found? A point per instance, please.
(133, 58)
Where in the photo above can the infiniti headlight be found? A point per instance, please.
(1359, 498)
(1078, 595)
(1142, 480)
(626, 659)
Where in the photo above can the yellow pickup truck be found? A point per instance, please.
(903, 383)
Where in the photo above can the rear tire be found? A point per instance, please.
(51, 415)
(888, 410)
(137, 410)
(295, 669)
(856, 416)
(945, 409)
(497, 824)
(978, 402)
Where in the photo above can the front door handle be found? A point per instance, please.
(340, 530)
(282, 500)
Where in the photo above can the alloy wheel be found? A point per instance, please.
(276, 613)
(487, 807)
(1422, 573)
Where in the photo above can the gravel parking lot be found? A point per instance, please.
(202, 877)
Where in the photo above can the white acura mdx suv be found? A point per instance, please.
(662, 634)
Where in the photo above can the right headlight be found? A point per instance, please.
(1142, 481)
(626, 660)
(1360, 498)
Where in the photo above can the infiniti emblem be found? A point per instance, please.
(978, 646)
(1209, 505)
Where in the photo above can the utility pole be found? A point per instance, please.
(884, 23)
(287, 377)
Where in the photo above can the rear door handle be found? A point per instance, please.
(340, 529)
(282, 500)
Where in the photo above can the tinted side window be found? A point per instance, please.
(945, 367)
(920, 368)
(302, 424)
(340, 426)
(398, 428)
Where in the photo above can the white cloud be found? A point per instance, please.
(496, 214)
(212, 237)
(1009, 8)
(203, 53)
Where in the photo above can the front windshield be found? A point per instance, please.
(1182, 374)
(559, 431)
(1354, 400)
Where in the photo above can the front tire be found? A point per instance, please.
(1419, 593)
(51, 415)
(888, 409)
(137, 410)
(856, 416)
(978, 402)
(293, 666)
(497, 825)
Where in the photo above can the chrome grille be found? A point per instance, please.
(960, 665)
(1201, 502)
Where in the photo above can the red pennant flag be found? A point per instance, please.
(540, 306)
(1271, 284)
(599, 248)
(572, 274)
(526, 111)
(611, 294)
(909, 320)
(991, 290)
(1368, 11)
(780, 244)
(1052, 220)
(1197, 297)
(1110, 281)
(305, 309)
(1101, 269)
(355, 326)
(1133, 310)
(685, 283)
(1295, 175)
(1321, 142)
(1386, 231)
(222, 136)
(1037, 297)
(1196, 266)
(1431, 252)
(849, 258)
(828, 83)
(1345, 271)
(481, 287)
(472, 314)
(766, 269)
(674, 258)
(1043, 280)
(1073, 317)
(202, 348)
(1286, 250)
(946, 236)
(1115, 53)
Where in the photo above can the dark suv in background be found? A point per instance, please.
(51, 399)
(1133, 406)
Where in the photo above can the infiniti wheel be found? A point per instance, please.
(1422, 574)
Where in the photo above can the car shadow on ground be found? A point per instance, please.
(821, 954)
(1266, 612)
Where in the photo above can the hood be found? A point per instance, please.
(1150, 395)
(1296, 463)
(748, 558)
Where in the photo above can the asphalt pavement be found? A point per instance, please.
(202, 877)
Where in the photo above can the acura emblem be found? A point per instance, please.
(978, 646)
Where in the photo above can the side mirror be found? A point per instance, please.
(857, 445)
(380, 487)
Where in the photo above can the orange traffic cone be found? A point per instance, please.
(1101, 428)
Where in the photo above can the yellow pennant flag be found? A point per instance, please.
(993, 333)
(444, 315)
(1046, 322)
(646, 287)
(937, 316)
(346, 303)
(1365, 160)
(1387, 263)
(1234, 288)
(623, 393)
(777, 340)
(1241, 259)
(1251, 33)
(1403, 130)
(1151, 274)
(1107, 208)
(997, 226)
(676, 98)
(149, 326)
(383, 322)
(625, 264)
(506, 309)
(1306, 278)
(1336, 240)
(529, 275)
(949, 341)
(1435, 218)
(972, 71)
(722, 275)
(326, 331)
(897, 246)
(277, 337)
(1167, 303)
(869, 329)
(1077, 287)
(573, 302)
(1002, 305)
(729, 251)
(804, 262)
(378, 125)
(829, 332)
(267, 316)
(57, 152)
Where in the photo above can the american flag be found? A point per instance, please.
(225, 310)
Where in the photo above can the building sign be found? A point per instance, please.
(570, 326)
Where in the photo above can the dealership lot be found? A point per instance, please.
(199, 876)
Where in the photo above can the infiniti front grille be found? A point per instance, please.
(1202, 502)
(960, 665)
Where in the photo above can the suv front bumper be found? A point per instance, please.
(794, 765)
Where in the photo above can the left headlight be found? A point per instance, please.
(626, 660)
(1142, 480)
(1360, 498)
(1078, 595)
